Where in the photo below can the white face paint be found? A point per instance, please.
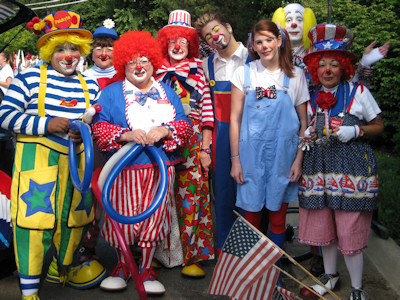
(65, 58)
(139, 71)
(294, 26)
(216, 35)
(178, 49)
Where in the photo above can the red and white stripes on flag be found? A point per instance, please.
(5, 11)
(244, 261)
(282, 294)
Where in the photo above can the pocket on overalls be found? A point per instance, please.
(81, 211)
(36, 198)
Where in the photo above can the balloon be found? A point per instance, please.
(73, 165)
(134, 151)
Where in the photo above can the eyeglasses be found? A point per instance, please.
(107, 49)
(182, 42)
(143, 61)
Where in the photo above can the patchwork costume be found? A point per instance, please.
(45, 206)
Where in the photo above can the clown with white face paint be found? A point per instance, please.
(41, 103)
(139, 109)
(294, 23)
(182, 70)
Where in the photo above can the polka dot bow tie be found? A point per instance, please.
(269, 92)
(141, 98)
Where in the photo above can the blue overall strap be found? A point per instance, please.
(246, 86)
(211, 67)
(286, 80)
(249, 59)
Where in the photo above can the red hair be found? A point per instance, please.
(173, 33)
(344, 62)
(133, 44)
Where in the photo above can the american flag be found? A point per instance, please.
(5, 11)
(282, 294)
(243, 270)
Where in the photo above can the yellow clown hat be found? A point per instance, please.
(63, 21)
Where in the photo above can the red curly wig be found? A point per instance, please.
(173, 33)
(344, 63)
(133, 44)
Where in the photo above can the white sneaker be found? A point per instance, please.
(329, 282)
(113, 283)
(358, 294)
(154, 287)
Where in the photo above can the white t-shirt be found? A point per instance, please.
(224, 68)
(262, 77)
(364, 105)
(6, 72)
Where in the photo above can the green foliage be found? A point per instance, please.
(389, 191)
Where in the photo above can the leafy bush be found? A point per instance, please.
(389, 191)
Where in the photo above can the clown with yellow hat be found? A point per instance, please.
(39, 107)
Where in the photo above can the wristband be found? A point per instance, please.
(234, 156)
(206, 150)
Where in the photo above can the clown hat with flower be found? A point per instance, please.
(179, 25)
(329, 37)
(107, 30)
(63, 21)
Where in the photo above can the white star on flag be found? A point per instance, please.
(328, 45)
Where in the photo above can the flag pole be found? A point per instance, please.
(298, 281)
(290, 258)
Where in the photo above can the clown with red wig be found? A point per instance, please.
(339, 185)
(182, 71)
(139, 109)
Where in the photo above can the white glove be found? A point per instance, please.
(347, 133)
(369, 59)
(307, 133)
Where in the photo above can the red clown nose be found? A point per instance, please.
(138, 67)
(177, 47)
(215, 37)
(294, 25)
(68, 57)
(104, 56)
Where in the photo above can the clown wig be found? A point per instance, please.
(132, 45)
(344, 62)
(309, 21)
(173, 33)
(48, 48)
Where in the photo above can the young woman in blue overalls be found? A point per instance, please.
(268, 115)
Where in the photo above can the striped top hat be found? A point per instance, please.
(63, 21)
(330, 38)
(179, 17)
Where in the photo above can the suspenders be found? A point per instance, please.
(43, 86)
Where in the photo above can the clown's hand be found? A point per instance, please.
(346, 133)
(90, 112)
(371, 56)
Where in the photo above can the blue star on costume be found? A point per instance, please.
(37, 198)
(85, 204)
(205, 251)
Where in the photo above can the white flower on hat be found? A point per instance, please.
(108, 23)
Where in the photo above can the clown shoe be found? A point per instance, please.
(84, 276)
(193, 270)
(151, 285)
(31, 297)
(118, 279)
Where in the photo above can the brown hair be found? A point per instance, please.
(206, 18)
(9, 58)
(285, 51)
(103, 42)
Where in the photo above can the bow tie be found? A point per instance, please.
(269, 92)
(181, 72)
(141, 98)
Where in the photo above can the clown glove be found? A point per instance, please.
(347, 133)
(369, 59)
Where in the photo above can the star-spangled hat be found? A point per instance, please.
(63, 21)
(330, 38)
(179, 17)
(107, 30)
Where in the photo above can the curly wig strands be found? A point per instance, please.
(48, 48)
(132, 45)
(206, 18)
(173, 33)
(309, 21)
(344, 61)
(285, 51)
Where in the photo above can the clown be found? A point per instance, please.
(139, 109)
(299, 20)
(40, 104)
(336, 211)
(102, 55)
(182, 70)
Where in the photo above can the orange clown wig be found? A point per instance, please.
(173, 33)
(132, 45)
